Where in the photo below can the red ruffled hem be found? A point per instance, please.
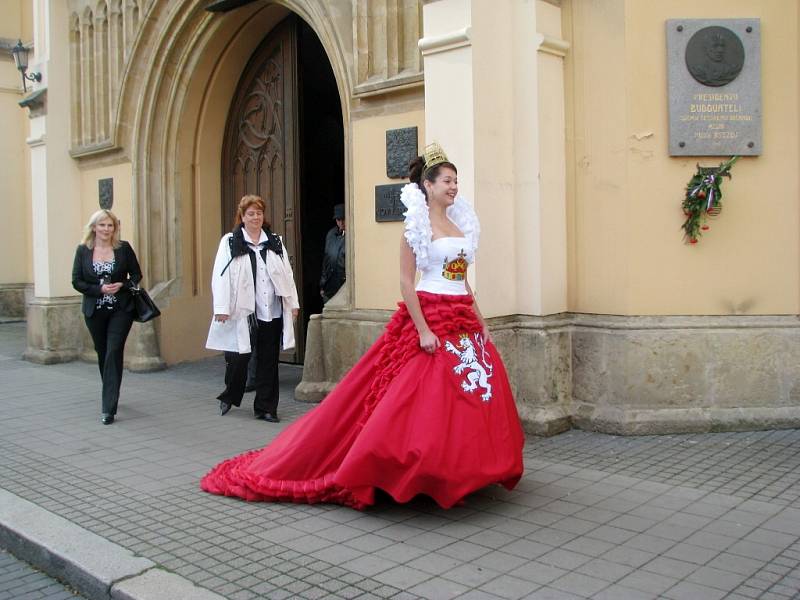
(224, 481)
(327, 455)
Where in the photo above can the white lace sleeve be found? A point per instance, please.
(418, 231)
(463, 215)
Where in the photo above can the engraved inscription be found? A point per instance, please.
(714, 71)
(387, 203)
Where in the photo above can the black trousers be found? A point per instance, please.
(109, 330)
(266, 341)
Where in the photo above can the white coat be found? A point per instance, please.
(234, 295)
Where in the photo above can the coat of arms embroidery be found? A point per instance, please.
(474, 359)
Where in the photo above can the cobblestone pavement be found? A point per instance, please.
(595, 516)
(20, 581)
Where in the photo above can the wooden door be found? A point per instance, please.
(259, 154)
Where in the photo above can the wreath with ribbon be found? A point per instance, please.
(703, 198)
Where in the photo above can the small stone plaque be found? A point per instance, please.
(401, 149)
(106, 192)
(714, 70)
(387, 203)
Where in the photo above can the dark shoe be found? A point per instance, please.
(224, 407)
(268, 417)
(107, 419)
(250, 387)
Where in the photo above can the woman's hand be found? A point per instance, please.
(428, 342)
(221, 318)
(110, 288)
(487, 337)
(295, 312)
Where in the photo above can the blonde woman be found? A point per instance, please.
(104, 270)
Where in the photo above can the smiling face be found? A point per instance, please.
(104, 230)
(444, 189)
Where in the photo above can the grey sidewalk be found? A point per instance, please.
(595, 516)
(18, 581)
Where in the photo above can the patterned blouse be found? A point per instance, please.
(103, 270)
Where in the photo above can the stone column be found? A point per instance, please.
(485, 87)
(55, 328)
(482, 105)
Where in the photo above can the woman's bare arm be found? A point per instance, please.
(408, 269)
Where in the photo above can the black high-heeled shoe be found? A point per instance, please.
(224, 407)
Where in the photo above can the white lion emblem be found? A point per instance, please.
(480, 370)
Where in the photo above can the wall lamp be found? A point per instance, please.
(20, 54)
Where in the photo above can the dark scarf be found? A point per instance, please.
(239, 247)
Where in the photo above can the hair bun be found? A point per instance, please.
(415, 169)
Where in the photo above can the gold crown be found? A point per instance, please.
(455, 269)
(458, 265)
(434, 155)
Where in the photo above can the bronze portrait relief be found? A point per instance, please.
(715, 56)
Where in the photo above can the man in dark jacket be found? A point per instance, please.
(333, 275)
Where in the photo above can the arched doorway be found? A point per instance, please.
(284, 141)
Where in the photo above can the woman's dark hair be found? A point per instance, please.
(417, 172)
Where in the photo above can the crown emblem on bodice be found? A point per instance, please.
(456, 269)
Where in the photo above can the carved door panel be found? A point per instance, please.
(259, 153)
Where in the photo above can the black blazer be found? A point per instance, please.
(126, 270)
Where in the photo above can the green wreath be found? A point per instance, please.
(703, 198)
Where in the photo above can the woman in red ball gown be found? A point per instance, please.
(428, 409)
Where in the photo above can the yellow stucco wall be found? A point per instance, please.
(122, 206)
(15, 213)
(627, 253)
(376, 246)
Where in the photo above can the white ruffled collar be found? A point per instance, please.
(418, 232)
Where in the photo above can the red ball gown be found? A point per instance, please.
(402, 420)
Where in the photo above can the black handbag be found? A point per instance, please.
(144, 307)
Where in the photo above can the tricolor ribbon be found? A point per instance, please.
(708, 181)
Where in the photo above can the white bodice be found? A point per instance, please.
(445, 272)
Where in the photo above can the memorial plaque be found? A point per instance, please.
(401, 149)
(106, 193)
(387, 202)
(714, 70)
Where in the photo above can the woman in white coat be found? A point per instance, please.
(255, 304)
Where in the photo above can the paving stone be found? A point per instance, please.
(716, 578)
(686, 590)
(754, 550)
(620, 592)
(549, 593)
(610, 534)
(507, 586)
(538, 572)
(471, 575)
(670, 567)
(526, 548)
(650, 543)
(441, 589)
(648, 582)
(589, 546)
(691, 553)
(564, 559)
(604, 569)
(579, 584)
